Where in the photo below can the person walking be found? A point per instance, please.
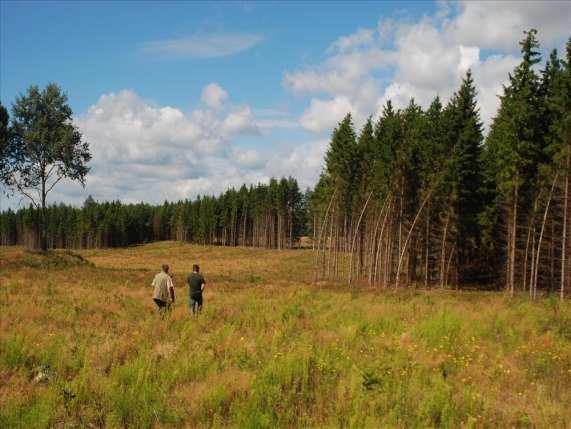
(163, 290)
(196, 284)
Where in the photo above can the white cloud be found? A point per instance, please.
(499, 24)
(362, 37)
(213, 95)
(147, 152)
(323, 115)
(400, 60)
(304, 162)
(248, 158)
(202, 45)
(239, 121)
(142, 151)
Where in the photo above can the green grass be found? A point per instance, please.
(271, 349)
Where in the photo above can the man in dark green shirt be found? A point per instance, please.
(196, 285)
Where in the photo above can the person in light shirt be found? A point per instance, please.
(163, 290)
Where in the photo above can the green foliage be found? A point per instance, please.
(138, 398)
(13, 352)
(41, 148)
(272, 215)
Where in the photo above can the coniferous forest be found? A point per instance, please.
(415, 197)
(269, 216)
(422, 197)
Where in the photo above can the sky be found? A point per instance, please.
(179, 99)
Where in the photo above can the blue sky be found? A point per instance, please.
(183, 98)
(91, 48)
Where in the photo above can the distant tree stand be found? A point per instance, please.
(44, 148)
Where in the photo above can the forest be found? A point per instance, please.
(268, 216)
(415, 197)
(423, 197)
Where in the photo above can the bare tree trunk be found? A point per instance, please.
(408, 237)
(427, 248)
(552, 257)
(449, 263)
(443, 252)
(565, 222)
(377, 268)
(513, 242)
(44, 224)
(332, 242)
(314, 231)
(532, 274)
(323, 226)
(374, 244)
(527, 243)
(401, 212)
(541, 234)
(388, 255)
(355, 238)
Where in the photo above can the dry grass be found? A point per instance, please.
(270, 349)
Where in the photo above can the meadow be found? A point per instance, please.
(81, 345)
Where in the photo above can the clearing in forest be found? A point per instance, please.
(81, 345)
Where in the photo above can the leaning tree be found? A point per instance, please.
(45, 147)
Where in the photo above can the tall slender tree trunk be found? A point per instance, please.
(448, 264)
(401, 212)
(375, 252)
(374, 244)
(526, 257)
(388, 251)
(426, 199)
(314, 231)
(44, 222)
(331, 242)
(565, 224)
(552, 257)
(532, 273)
(513, 242)
(320, 239)
(443, 251)
(538, 253)
(355, 238)
(427, 248)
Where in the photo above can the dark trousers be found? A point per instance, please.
(195, 304)
(163, 306)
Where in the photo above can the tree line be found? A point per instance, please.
(418, 196)
(267, 215)
(423, 197)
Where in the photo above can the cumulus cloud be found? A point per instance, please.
(143, 151)
(400, 60)
(499, 24)
(213, 95)
(202, 45)
(325, 114)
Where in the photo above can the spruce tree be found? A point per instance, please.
(515, 147)
(466, 180)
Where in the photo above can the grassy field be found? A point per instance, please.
(81, 345)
